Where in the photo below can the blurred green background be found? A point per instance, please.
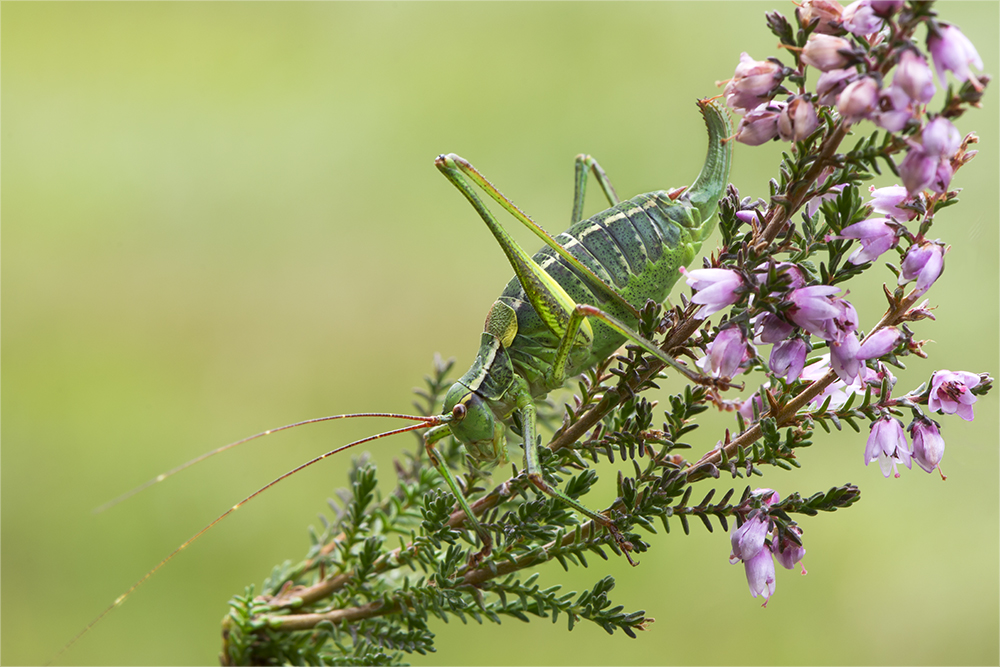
(219, 218)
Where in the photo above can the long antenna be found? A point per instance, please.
(162, 476)
(425, 422)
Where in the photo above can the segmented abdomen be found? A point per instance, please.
(636, 247)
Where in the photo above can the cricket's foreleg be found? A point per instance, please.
(430, 437)
(584, 164)
(533, 469)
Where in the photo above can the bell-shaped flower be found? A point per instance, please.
(788, 358)
(859, 100)
(751, 82)
(826, 52)
(714, 289)
(759, 125)
(876, 236)
(760, 574)
(797, 120)
(829, 12)
(928, 445)
(888, 202)
(952, 51)
(748, 539)
(787, 551)
(813, 309)
(727, 353)
(914, 77)
(918, 169)
(941, 138)
(951, 393)
(879, 344)
(887, 445)
(844, 356)
(923, 262)
(859, 18)
(894, 109)
(831, 84)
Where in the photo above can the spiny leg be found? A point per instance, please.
(533, 469)
(586, 163)
(538, 285)
(557, 374)
(430, 438)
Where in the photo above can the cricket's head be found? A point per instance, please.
(475, 426)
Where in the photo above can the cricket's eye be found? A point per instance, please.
(458, 412)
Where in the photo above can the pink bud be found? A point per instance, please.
(829, 13)
(797, 120)
(928, 445)
(914, 77)
(760, 125)
(826, 52)
(860, 19)
(751, 82)
(879, 344)
(925, 262)
(952, 51)
(859, 100)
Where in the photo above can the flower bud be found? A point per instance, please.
(876, 236)
(888, 201)
(879, 344)
(788, 552)
(942, 177)
(727, 353)
(923, 262)
(760, 125)
(859, 18)
(831, 84)
(952, 51)
(788, 358)
(829, 13)
(918, 170)
(886, 8)
(928, 445)
(826, 52)
(859, 100)
(844, 356)
(914, 77)
(813, 310)
(797, 120)
(940, 138)
(751, 82)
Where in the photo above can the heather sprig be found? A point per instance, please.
(852, 92)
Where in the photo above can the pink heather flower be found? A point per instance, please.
(813, 309)
(951, 393)
(751, 82)
(954, 52)
(760, 574)
(727, 353)
(829, 13)
(748, 540)
(769, 328)
(942, 177)
(888, 200)
(843, 356)
(788, 358)
(831, 84)
(835, 391)
(788, 552)
(886, 8)
(925, 262)
(928, 445)
(918, 170)
(914, 77)
(715, 289)
(797, 120)
(826, 52)
(859, 18)
(876, 236)
(760, 125)
(940, 138)
(859, 100)
(879, 344)
(894, 109)
(887, 445)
